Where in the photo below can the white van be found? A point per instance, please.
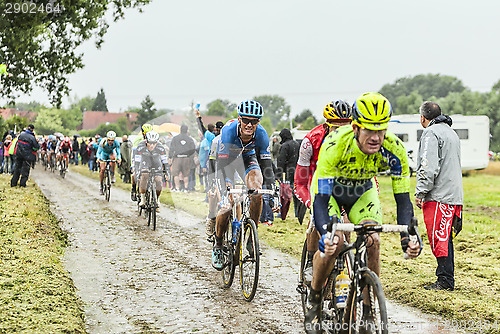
(473, 131)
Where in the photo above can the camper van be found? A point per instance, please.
(473, 131)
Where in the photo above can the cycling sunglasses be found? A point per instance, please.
(250, 120)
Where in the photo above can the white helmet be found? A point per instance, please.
(111, 135)
(152, 137)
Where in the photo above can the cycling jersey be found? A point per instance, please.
(65, 147)
(344, 172)
(146, 159)
(231, 147)
(306, 165)
(105, 149)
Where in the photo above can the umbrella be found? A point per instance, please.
(167, 127)
(285, 197)
(58, 134)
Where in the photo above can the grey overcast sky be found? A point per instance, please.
(309, 52)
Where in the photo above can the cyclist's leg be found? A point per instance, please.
(253, 180)
(367, 209)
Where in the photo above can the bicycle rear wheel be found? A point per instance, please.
(230, 257)
(374, 320)
(302, 288)
(249, 259)
(154, 205)
(107, 185)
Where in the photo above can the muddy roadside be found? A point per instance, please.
(135, 280)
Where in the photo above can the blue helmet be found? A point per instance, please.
(250, 108)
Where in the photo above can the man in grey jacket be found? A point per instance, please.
(439, 190)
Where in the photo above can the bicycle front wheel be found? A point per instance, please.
(249, 259)
(368, 313)
(229, 257)
(107, 186)
(154, 205)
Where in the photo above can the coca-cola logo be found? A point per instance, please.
(446, 215)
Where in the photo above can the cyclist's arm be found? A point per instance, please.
(302, 177)
(117, 148)
(266, 166)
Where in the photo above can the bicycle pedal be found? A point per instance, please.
(301, 289)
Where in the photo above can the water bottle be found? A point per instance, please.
(342, 283)
(236, 230)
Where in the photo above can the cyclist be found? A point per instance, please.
(145, 128)
(43, 149)
(109, 149)
(243, 148)
(150, 157)
(63, 152)
(337, 113)
(348, 159)
(51, 147)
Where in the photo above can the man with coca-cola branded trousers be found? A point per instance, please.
(439, 191)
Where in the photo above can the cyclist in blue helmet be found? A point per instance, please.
(243, 148)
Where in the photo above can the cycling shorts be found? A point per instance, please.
(360, 202)
(241, 166)
(151, 162)
(106, 156)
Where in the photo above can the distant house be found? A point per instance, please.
(92, 119)
(9, 112)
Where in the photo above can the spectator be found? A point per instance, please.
(275, 148)
(126, 152)
(83, 152)
(91, 152)
(181, 154)
(76, 150)
(203, 158)
(7, 159)
(439, 190)
(287, 161)
(25, 154)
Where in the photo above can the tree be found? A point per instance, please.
(147, 111)
(305, 114)
(275, 107)
(17, 123)
(84, 104)
(427, 86)
(266, 123)
(409, 104)
(220, 107)
(309, 123)
(31, 106)
(100, 102)
(49, 121)
(41, 46)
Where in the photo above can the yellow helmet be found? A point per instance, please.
(145, 128)
(337, 110)
(372, 111)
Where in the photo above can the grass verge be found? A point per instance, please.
(477, 252)
(36, 293)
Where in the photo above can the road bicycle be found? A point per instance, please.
(240, 244)
(64, 165)
(365, 286)
(151, 205)
(106, 187)
(52, 163)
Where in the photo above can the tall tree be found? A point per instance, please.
(147, 111)
(100, 102)
(274, 106)
(49, 121)
(41, 46)
(305, 114)
(84, 104)
(427, 86)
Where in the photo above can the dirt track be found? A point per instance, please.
(135, 280)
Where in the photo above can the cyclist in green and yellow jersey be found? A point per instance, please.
(349, 158)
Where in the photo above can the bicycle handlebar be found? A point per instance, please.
(251, 191)
(375, 228)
